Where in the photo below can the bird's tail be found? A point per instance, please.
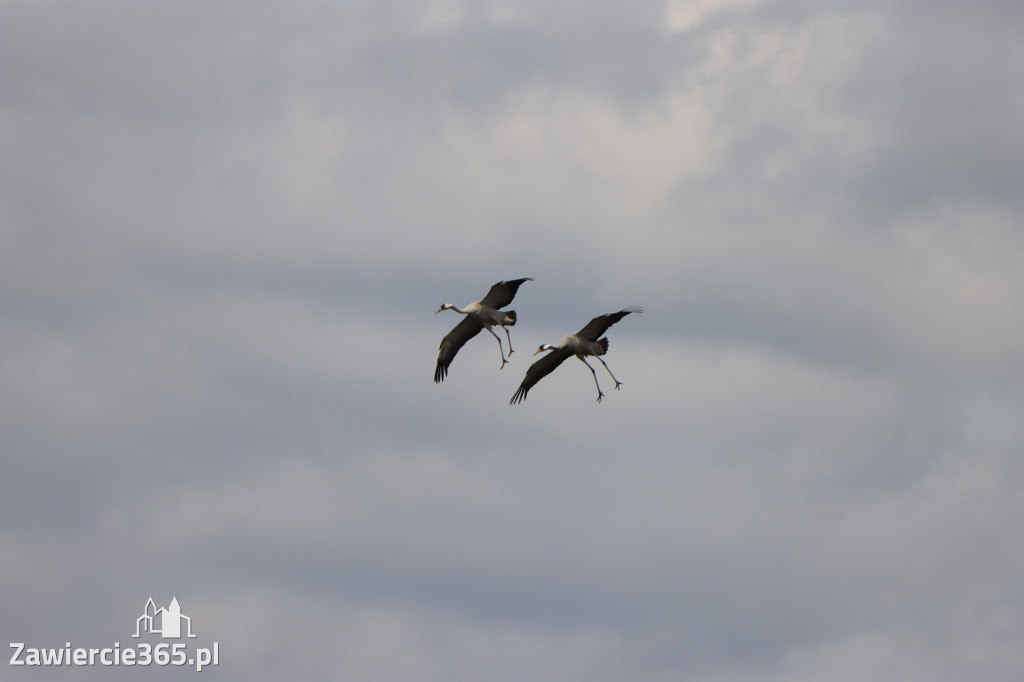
(510, 318)
(603, 342)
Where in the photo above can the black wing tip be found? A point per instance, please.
(440, 373)
(632, 309)
(517, 282)
(520, 396)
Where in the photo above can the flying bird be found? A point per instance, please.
(482, 314)
(586, 341)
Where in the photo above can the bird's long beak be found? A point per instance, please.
(539, 351)
(439, 310)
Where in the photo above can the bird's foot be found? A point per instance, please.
(599, 396)
(503, 363)
(617, 384)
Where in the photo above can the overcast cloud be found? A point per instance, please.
(225, 226)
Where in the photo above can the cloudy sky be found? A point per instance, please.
(225, 227)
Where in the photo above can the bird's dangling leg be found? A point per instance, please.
(510, 351)
(500, 349)
(599, 393)
(617, 382)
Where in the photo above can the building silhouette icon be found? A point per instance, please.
(165, 622)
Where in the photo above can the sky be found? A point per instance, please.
(225, 228)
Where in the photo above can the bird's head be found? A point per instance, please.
(444, 306)
(544, 347)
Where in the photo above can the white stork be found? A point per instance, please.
(482, 314)
(586, 341)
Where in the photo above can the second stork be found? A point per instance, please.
(586, 341)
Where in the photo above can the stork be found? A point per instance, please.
(587, 341)
(482, 314)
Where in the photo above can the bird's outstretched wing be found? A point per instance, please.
(538, 370)
(452, 342)
(502, 293)
(600, 324)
